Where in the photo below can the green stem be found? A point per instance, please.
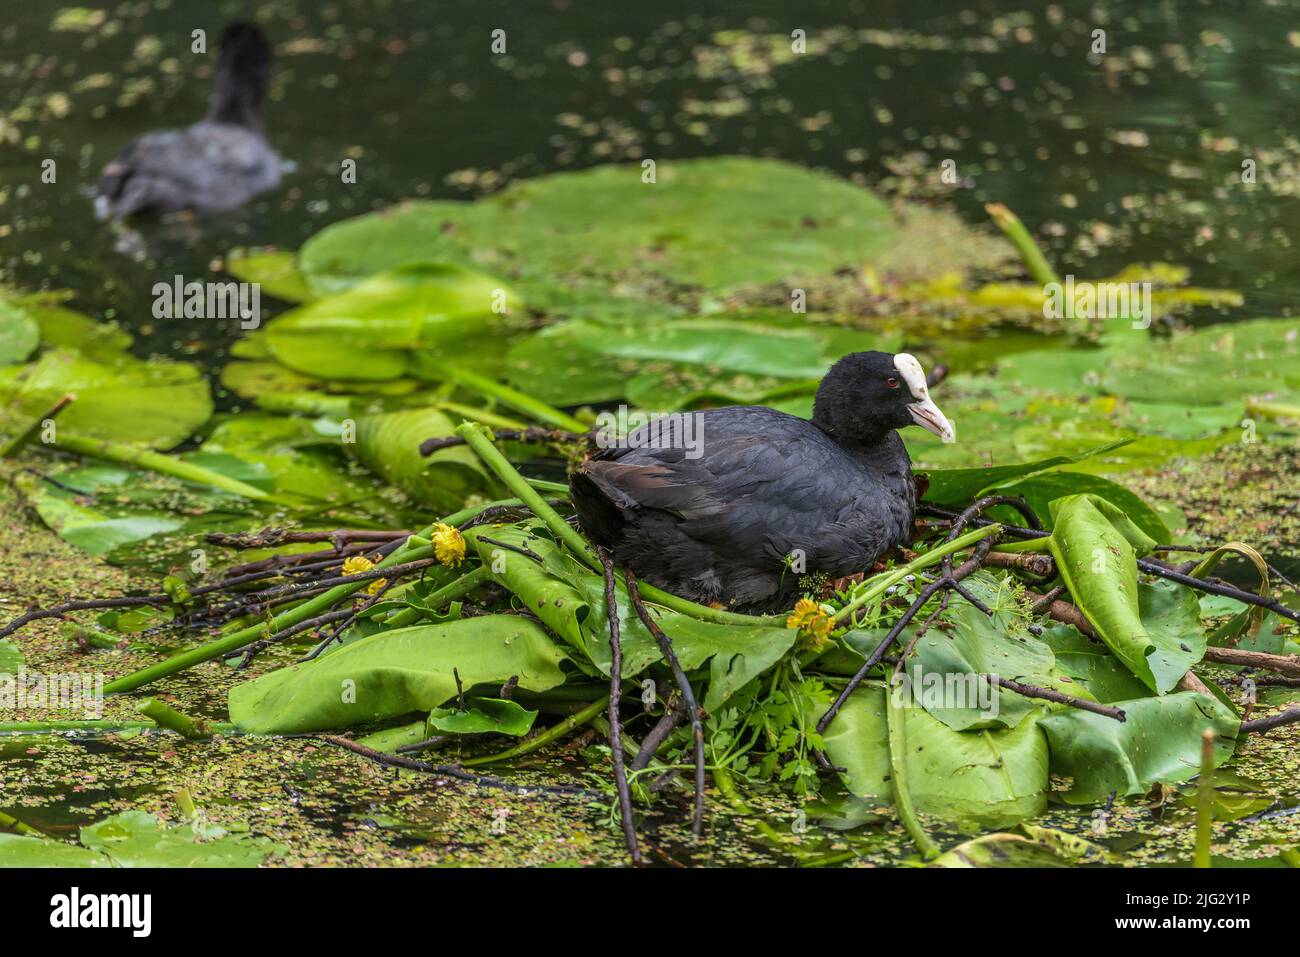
(1035, 262)
(10, 823)
(481, 415)
(125, 454)
(292, 616)
(898, 774)
(1273, 410)
(448, 593)
(477, 438)
(24, 438)
(519, 401)
(93, 637)
(553, 733)
(1205, 803)
(100, 726)
(173, 720)
(883, 581)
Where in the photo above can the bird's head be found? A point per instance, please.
(867, 394)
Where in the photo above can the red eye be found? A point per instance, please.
(892, 382)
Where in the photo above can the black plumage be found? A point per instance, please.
(219, 163)
(731, 505)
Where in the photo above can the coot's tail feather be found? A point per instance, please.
(601, 519)
(242, 76)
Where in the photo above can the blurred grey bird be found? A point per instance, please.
(217, 164)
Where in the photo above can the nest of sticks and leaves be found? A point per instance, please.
(1084, 648)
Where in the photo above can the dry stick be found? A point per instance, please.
(1272, 721)
(651, 743)
(251, 650)
(274, 536)
(688, 696)
(1048, 694)
(1283, 664)
(615, 691)
(450, 770)
(1041, 566)
(58, 611)
(920, 632)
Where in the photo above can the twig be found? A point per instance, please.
(58, 611)
(615, 691)
(450, 770)
(651, 743)
(688, 696)
(1289, 716)
(1283, 664)
(1048, 694)
(946, 580)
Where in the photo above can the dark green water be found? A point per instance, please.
(1131, 156)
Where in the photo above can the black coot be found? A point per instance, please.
(731, 505)
(218, 163)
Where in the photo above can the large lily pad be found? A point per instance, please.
(397, 672)
(714, 223)
(158, 402)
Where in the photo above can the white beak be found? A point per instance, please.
(924, 412)
(927, 415)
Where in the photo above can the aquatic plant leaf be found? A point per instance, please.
(17, 850)
(395, 672)
(570, 599)
(713, 223)
(137, 839)
(389, 445)
(344, 253)
(960, 486)
(1035, 847)
(157, 402)
(1159, 741)
(275, 270)
(483, 716)
(370, 331)
(11, 657)
(1092, 665)
(945, 666)
(667, 366)
(19, 333)
(1153, 629)
(984, 777)
(1040, 490)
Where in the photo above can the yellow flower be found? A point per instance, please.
(813, 622)
(356, 564)
(448, 544)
